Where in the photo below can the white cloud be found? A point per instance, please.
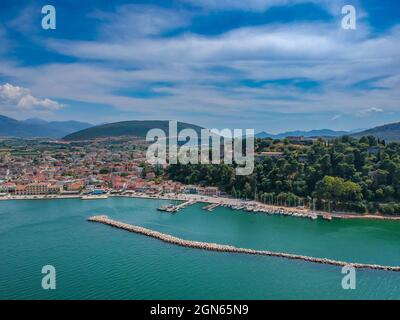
(15, 99)
(260, 5)
(25, 20)
(127, 59)
(132, 21)
(298, 42)
(369, 111)
(320, 53)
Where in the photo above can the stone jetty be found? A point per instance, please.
(226, 248)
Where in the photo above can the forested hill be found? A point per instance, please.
(388, 132)
(126, 128)
(343, 174)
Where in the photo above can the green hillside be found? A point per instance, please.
(126, 128)
(388, 132)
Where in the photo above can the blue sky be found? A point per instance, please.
(271, 65)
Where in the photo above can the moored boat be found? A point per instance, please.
(167, 208)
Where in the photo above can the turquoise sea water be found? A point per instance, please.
(95, 261)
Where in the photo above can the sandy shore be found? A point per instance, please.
(217, 200)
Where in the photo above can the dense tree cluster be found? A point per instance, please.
(342, 174)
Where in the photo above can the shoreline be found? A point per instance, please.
(216, 200)
(105, 220)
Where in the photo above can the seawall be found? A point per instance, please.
(227, 248)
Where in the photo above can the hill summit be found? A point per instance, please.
(127, 128)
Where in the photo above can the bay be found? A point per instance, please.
(98, 262)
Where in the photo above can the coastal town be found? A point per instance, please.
(95, 168)
(102, 168)
(38, 167)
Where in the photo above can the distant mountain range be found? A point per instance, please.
(76, 131)
(389, 132)
(306, 134)
(127, 128)
(38, 128)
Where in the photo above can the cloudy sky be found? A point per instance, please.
(271, 65)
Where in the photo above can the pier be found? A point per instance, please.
(185, 204)
(211, 207)
(231, 249)
(173, 209)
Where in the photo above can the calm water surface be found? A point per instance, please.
(94, 261)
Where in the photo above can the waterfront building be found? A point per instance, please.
(53, 189)
(75, 186)
(8, 187)
(190, 189)
(37, 189)
(211, 191)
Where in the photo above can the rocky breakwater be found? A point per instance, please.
(226, 248)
